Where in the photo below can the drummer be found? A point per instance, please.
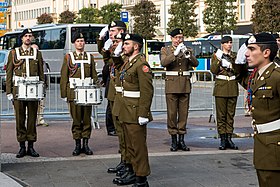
(17, 69)
(78, 66)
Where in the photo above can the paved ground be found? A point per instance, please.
(204, 165)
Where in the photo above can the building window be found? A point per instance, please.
(242, 10)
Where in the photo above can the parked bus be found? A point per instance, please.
(152, 52)
(54, 41)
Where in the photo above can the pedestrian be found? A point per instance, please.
(225, 91)
(107, 49)
(137, 90)
(21, 68)
(264, 90)
(178, 61)
(40, 117)
(73, 72)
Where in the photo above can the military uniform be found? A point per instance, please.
(18, 68)
(264, 88)
(81, 115)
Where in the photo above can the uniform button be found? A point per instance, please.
(253, 120)
(180, 69)
(180, 64)
(278, 143)
(263, 96)
(262, 78)
(253, 108)
(253, 96)
(255, 132)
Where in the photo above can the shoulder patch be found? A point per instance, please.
(145, 69)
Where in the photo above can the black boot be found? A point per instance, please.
(141, 182)
(127, 178)
(174, 145)
(120, 166)
(77, 150)
(229, 143)
(85, 148)
(31, 151)
(223, 142)
(122, 171)
(22, 151)
(181, 143)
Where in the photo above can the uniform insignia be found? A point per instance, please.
(113, 23)
(127, 36)
(262, 78)
(145, 69)
(252, 39)
(29, 30)
(81, 35)
(130, 64)
(180, 31)
(119, 36)
(267, 72)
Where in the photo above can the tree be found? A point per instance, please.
(183, 17)
(266, 16)
(110, 12)
(44, 18)
(146, 17)
(89, 15)
(67, 17)
(220, 16)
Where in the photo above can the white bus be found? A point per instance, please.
(54, 41)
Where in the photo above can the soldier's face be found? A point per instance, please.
(27, 38)
(278, 42)
(255, 57)
(128, 47)
(176, 40)
(80, 44)
(227, 46)
(114, 32)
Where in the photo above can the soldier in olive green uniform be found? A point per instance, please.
(263, 87)
(177, 60)
(225, 91)
(15, 70)
(70, 70)
(106, 50)
(136, 81)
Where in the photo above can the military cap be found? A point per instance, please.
(134, 37)
(276, 35)
(25, 31)
(76, 36)
(120, 36)
(175, 32)
(117, 24)
(226, 39)
(262, 38)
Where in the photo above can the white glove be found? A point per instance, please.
(103, 32)
(108, 44)
(219, 54)
(118, 49)
(143, 121)
(179, 48)
(10, 97)
(64, 99)
(241, 58)
(226, 63)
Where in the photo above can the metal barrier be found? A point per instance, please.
(201, 101)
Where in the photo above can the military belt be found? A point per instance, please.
(178, 73)
(119, 89)
(267, 127)
(224, 77)
(132, 94)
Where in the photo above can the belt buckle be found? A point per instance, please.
(180, 73)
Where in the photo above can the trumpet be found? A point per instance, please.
(187, 52)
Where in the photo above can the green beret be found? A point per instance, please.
(76, 36)
(24, 32)
(175, 32)
(226, 39)
(262, 38)
(134, 37)
(117, 24)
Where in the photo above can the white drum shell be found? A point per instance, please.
(88, 95)
(30, 90)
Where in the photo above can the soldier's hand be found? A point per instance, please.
(179, 48)
(219, 54)
(103, 32)
(10, 97)
(142, 121)
(241, 58)
(118, 49)
(64, 99)
(226, 63)
(108, 44)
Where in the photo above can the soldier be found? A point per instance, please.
(177, 60)
(277, 58)
(16, 70)
(137, 94)
(264, 91)
(225, 91)
(106, 49)
(81, 115)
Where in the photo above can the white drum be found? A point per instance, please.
(88, 95)
(30, 90)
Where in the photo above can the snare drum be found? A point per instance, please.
(30, 90)
(88, 95)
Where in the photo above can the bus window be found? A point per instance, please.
(11, 41)
(90, 33)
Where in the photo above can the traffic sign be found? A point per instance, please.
(124, 16)
(3, 4)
